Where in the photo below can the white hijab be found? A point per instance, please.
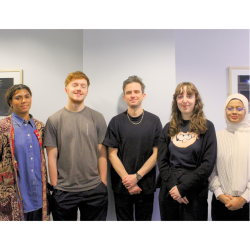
(241, 169)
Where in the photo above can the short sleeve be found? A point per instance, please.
(50, 135)
(157, 132)
(101, 129)
(111, 138)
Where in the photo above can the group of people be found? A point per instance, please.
(190, 156)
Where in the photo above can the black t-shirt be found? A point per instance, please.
(135, 145)
(184, 151)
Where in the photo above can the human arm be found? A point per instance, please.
(50, 143)
(102, 163)
(215, 185)
(112, 142)
(195, 179)
(134, 190)
(1, 150)
(166, 174)
(235, 203)
(223, 198)
(120, 170)
(116, 162)
(175, 194)
(246, 193)
(52, 161)
(183, 200)
(131, 180)
(232, 203)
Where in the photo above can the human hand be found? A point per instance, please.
(129, 181)
(104, 181)
(235, 202)
(174, 192)
(183, 200)
(224, 199)
(135, 190)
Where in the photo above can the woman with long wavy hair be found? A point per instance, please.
(186, 156)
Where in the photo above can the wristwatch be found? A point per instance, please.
(138, 176)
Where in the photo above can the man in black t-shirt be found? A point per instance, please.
(132, 138)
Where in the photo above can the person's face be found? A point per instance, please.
(21, 102)
(77, 90)
(186, 103)
(133, 95)
(233, 115)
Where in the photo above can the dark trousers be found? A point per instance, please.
(221, 213)
(34, 215)
(195, 210)
(126, 204)
(93, 204)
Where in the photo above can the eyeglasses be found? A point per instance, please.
(232, 109)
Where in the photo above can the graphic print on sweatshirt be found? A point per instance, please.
(184, 140)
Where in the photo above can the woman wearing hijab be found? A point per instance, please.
(230, 180)
(23, 173)
(186, 156)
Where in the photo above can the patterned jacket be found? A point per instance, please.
(11, 208)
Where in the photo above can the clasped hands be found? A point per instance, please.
(130, 182)
(175, 194)
(231, 202)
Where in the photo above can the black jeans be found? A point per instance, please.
(34, 215)
(221, 213)
(195, 210)
(125, 204)
(93, 204)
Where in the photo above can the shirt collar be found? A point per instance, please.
(19, 120)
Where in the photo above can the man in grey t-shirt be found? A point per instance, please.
(76, 156)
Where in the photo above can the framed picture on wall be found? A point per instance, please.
(8, 77)
(239, 82)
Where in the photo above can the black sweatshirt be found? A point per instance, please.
(191, 180)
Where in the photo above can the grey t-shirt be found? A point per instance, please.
(76, 136)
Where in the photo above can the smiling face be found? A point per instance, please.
(133, 95)
(77, 90)
(233, 115)
(21, 102)
(186, 102)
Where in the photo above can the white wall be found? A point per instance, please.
(110, 56)
(203, 57)
(46, 57)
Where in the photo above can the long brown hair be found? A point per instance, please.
(198, 122)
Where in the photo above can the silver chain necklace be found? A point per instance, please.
(139, 121)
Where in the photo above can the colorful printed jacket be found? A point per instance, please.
(11, 208)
